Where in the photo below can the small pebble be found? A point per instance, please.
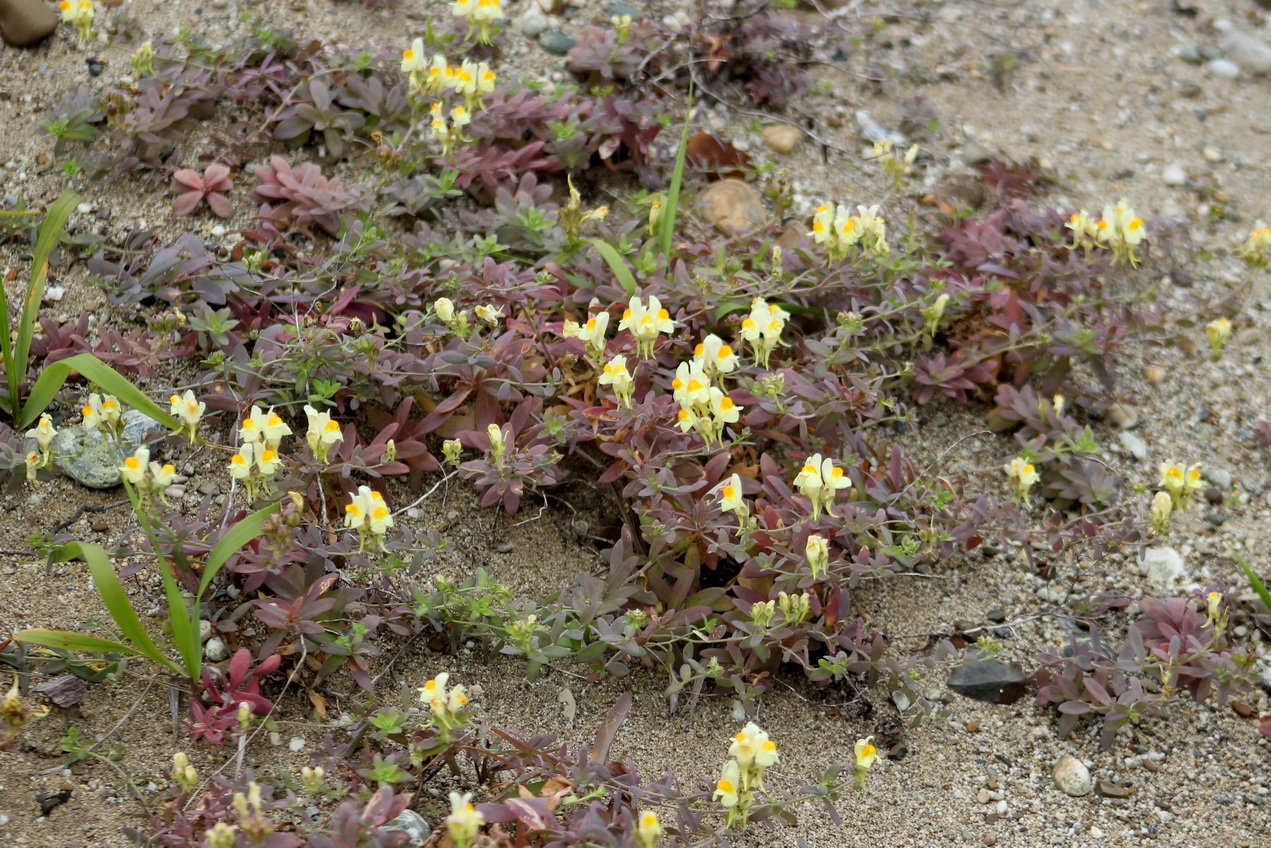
(1122, 416)
(1173, 175)
(1223, 69)
(782, 138)
(1072, 776)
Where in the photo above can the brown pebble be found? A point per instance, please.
(100, 526)
(983, 796)
(1154, 374)
(1112, 789)
(1242, 709)
(973, 727)
(781, 138)
(1152, 765)
(732, 205)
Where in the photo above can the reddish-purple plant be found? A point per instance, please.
(303, 196)
(192, 189)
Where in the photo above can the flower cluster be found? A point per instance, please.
(844, 234)
(367, 513)
(762, 329)
(591, 333)
(481, 16)
(1023, 476)
(43, 433)
(80, 14)
(448, 132)
(616, 376)
(895, 163)
(448, 707)
(148, 478)
(818, 481)
(322, 434)
(1122, 230)
(752, 753)
(1256, 251)
(703, 407)
(646, 323)
(1180, 483)
(102, 413)
(188, 410)
(184, 774)
(257, 460)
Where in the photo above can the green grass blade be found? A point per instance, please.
(116, 600)
(670, 209)
(1258, 585)
(50, 231)
(618, 265)
(68, 640)
(110, 381)
(233, 541)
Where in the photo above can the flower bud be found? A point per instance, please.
(445, 310)
(452, 449)
(818, 554)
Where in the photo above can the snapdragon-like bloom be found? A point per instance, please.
(242, 463)
(730, 496)
(189, 410)
(102, 412)
(714, 356)
(481, 16)
(445, 309)
(754, 752)
(1023, 476)
(818, 480)
(1180, 482)
(80, 13)
(322, 434)
(1218, 331)
(1162, 506)
(690, 387)
(728, 789)
(312, 778)
(464, 822)
(1122, 230)
(135, 467)
(817, 551)
(43, 433)
(871, 231)
(367, 513)
(617, 377)
(489, 314)
(161, 476)
(268, 461)
(1085, 230)
(473, 80)
(648, 830)
(646, 323)
(414, 61)
(592, 333)
(762, 329)
(866, 754)
(1256, 251)
(447, 705)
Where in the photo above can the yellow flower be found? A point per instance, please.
(1256, 251)
(648, 830)
(762, 328)
(188, 409)
(646, 322)
(413, 59)
(183, 774)
(445, 309)
(1122, 230)
(616, 376)
(135, 467)
(715, 356)
(728, 788)
(241, 463)
(1162, 506)
(15, 714)
(690, 387)
(730, 497)
(268, 462)
(866, 753)
(323, 432)
(312, 778)
(1085, 230)
(161, 476)
(273, 431)
(464, 822)
(1218, 330)
(1181, 483)
(43, 433)
(1214, 606)
(818, 480)
(817, 552)
(1023, 476)
(489, 314)
(221, 835)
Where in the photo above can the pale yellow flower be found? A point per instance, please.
(727, 790)
(135, 467)
(730, 496)
(646, 322)
(714, 356)
(464, 822)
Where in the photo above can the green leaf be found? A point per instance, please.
(110, 381)
(116, 600)
(618, 265)
(238, 536)
(1258, 585)
(68, 640)
(670, 209)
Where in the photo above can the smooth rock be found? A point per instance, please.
(1122, 416)
(1132, 443)
(89, 458)
(732, 205)
(1224, 69)
(1173, 175)
(205, 630)
(532, 23)
(990, 681)
(1072, 777)
(550, 7)
(1212, 154)
(973, 153)
(1252, 54)
(556, 42)
(1216, 519)
(1163, 566)
(781, 138)
(622, 9)
(25, 23)
(413, 825)
(215, 650)
(1220, 477)
(1154, 374)
(4, 819)
(1112, 789)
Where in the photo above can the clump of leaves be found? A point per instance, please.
(302, 196)
(73, 118)
(192, 188)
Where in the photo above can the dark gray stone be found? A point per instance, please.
(620, 9)
(556, 42)
(988, 680)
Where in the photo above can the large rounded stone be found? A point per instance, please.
(25, 23)
(732, 205)
(1072, 776)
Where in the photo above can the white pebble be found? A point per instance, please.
(296, 744)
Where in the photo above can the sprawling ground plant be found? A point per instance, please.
(470, 313)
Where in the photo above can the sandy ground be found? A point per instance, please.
(1099, 92)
